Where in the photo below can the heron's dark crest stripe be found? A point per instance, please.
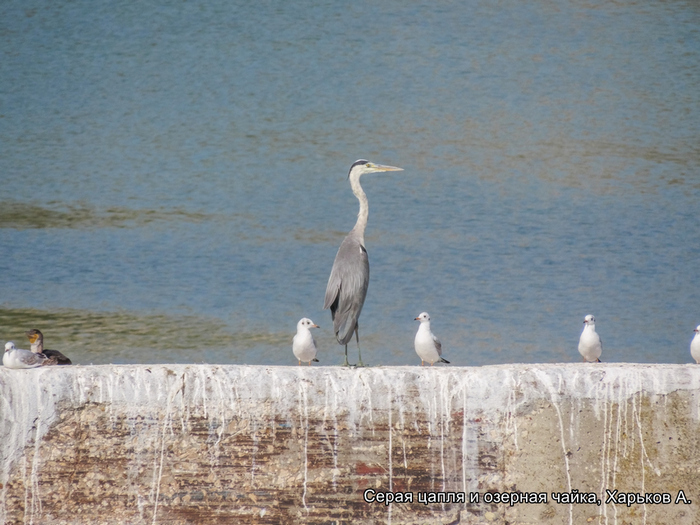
(357, 163)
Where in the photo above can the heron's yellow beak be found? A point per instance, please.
(381, 167)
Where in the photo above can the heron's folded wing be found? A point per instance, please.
(347, 287)
(332, 289)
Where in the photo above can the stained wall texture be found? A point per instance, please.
(209, 444)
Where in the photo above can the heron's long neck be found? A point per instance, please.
(363, 214)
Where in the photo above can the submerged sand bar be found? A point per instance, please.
(207, 444)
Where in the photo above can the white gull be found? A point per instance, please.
(428, 347)
(303, 344)
(18, 358)
(590, 345)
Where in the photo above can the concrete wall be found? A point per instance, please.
(250, 444)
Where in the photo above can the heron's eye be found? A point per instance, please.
(367, 164)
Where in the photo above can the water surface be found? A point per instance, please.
(173, 176)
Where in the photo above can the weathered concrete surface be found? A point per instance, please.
(207, 444)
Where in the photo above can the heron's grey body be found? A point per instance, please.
(347, 286)
(349, 279)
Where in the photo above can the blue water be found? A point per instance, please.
(173, 177)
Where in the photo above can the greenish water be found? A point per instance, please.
(173, 177)
(125, 337)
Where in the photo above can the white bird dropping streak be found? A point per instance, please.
(18, 358)
(428, 347)
(695, 345)
(590, 346)
(303, 344)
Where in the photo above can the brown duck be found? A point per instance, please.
(36, 338)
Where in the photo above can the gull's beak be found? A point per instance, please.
(315, 326)
(417, 319)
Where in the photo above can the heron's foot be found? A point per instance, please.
(360, 364)
(346, 362)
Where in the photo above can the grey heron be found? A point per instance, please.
(349, 279)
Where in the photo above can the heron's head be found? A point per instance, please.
(306, 323)
(34, 335)
(9, 346)
(589, 320)
(423, 317)
(362, 166)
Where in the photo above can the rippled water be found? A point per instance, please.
(173, 176)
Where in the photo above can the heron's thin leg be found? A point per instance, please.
(357, 337)
(346, 357)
